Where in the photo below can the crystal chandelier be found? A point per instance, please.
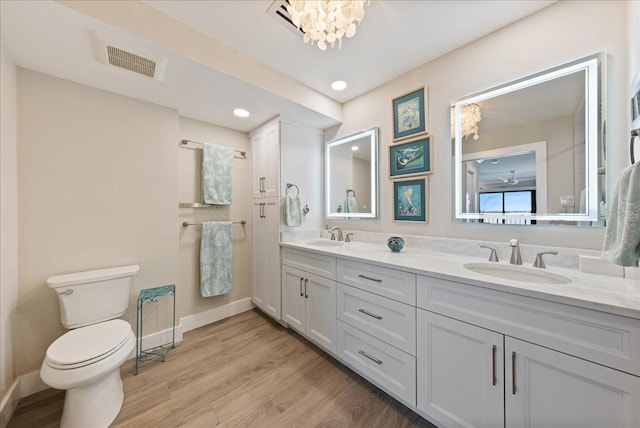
(326, 21)
(468, 122)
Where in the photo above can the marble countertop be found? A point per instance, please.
(613, 295)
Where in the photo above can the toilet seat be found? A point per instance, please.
(87, 345)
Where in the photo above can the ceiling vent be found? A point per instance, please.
(278, 11)
(114, 52)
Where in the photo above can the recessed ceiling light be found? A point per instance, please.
(339, 85)
(240, 112)
(354, 148)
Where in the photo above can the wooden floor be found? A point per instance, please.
(245, 371)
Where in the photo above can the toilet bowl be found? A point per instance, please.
(86, 360)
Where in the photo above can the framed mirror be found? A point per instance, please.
(351, 176)
(530, 150)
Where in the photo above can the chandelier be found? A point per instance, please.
(468, 122)
(326, 21)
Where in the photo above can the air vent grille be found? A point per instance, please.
(130, 61)
(278, 11)
(111, 51)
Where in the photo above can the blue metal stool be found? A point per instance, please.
(156, 353)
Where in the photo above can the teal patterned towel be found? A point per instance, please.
(215, 258)
(622, 235)
(217, 171)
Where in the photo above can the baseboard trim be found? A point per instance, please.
(161, 338)
(9, 403)
(30, 383)
(191, 322)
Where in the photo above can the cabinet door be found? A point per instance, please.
(266, 256)
(271, 252)
(293, 301)
(259, 153)
(271, 182)
(265, 146)
(320, 294)
(546, 388)
(460, 372)
(259, 261)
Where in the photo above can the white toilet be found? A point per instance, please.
(86, 360)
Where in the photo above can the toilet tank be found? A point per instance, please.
(93, 296)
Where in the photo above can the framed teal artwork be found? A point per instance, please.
(409, 115)
(409, 198)
(411, 158)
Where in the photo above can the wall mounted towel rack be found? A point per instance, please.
(187, 224)
(189, 144)
(290, 185)
(198, 205)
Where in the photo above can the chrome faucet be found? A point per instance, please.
(539, 263)
(516, 257)
(333, 235)
(493, 257)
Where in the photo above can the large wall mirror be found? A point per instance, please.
(531, 151)
(351, 176)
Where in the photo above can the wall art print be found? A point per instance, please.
(409, 115)
(412, 158)
(410, 200)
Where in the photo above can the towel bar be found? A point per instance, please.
(189, 144)
(290, 185)
(198, 205)
(187, 224)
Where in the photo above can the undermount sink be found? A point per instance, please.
(325, 243)
(517, 273)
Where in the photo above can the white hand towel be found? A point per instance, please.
(292, 211)
(622, 236)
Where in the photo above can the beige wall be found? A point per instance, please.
(97, 187)
(190, 301)
(8, 225)
(560, 33)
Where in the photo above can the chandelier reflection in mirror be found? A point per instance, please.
(326, 21)
(469, 120)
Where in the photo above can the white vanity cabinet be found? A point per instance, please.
(472, 376)
(376, 325)
(308, 299)
(546, 388)
(462, 355)
(265, 152)
(460, 372)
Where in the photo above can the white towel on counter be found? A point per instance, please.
(622, 236)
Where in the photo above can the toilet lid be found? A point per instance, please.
(84, 344)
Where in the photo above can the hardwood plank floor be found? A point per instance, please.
(244, 371)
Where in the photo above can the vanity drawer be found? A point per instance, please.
(606, 339)
(395, 284)
(389, 368)
(390, 321)
(310, 262)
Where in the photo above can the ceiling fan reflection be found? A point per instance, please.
(512, 180)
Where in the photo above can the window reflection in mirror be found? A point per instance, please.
(537, 138)
(351, 173)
